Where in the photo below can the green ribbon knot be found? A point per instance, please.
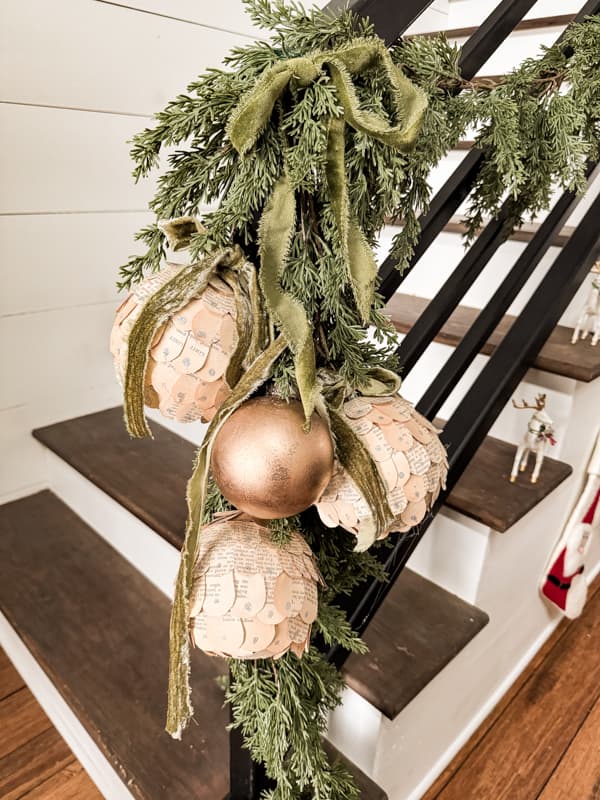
(278, 222)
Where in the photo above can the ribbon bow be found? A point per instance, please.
(279, 217)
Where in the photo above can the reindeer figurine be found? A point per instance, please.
(591, 311)
(540, 430)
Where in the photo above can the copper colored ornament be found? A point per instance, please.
(409, 457)
(265, 464)
(252, 598)
(185, 376)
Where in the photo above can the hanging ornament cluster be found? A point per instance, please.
(265, 464)
(250, 597)
(410, 460)
(189, 354)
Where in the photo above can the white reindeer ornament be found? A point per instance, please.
(540, 430)
(589, 319)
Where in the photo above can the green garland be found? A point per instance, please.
(341, 182)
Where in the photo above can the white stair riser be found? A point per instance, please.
(62, 717)
(154, 557)
(415, 748)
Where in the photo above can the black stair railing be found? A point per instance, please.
(473, 418)
(364, 602)
(468, 270)
(481, 329)
(457, 187)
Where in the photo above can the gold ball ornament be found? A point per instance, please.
(252, 598)
(265, 464)
(185, 376)
(410, 459)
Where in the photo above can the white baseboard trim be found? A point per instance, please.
(62, 717)
(463, 737)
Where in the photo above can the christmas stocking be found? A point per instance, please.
(564, 583)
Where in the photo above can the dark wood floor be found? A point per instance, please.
(35, 762)
(542, 742)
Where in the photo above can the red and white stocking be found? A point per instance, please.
(564, 583)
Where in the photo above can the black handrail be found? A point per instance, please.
(364, 602)
(460, 183)
(481, 329)
(470, 423)
(389, 17)
(472, 419)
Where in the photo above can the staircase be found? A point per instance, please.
(88, 559)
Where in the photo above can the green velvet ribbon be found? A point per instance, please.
(356, 459)
(254, 110)
(179, 709)
(279, 217)
(276, 228)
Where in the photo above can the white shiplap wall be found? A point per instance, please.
(79, 78)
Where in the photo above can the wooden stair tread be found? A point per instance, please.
(485, 493)
(99, 629)
(148, 477)
(417, 631)
(525, 233)
(558, 355)
(534, 23)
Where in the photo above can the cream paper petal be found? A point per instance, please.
(220, 594)
(298, 630)
(224, 633)
(269, 614)
(402, 467)
(215, 365)
(250, 594)
(308, 610)
(357, 408)
(206, 324)
(415, 489)
(283, 591)
(419, 431)
(418, 459)
(184, 388)
(193, 356)
(183, 318)
(198, 632)
(328, 514)
(258, 635)
(398, 437)
(414, 513)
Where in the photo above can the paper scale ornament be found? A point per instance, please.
(189, 356)
(410, 459)
(252, 598)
